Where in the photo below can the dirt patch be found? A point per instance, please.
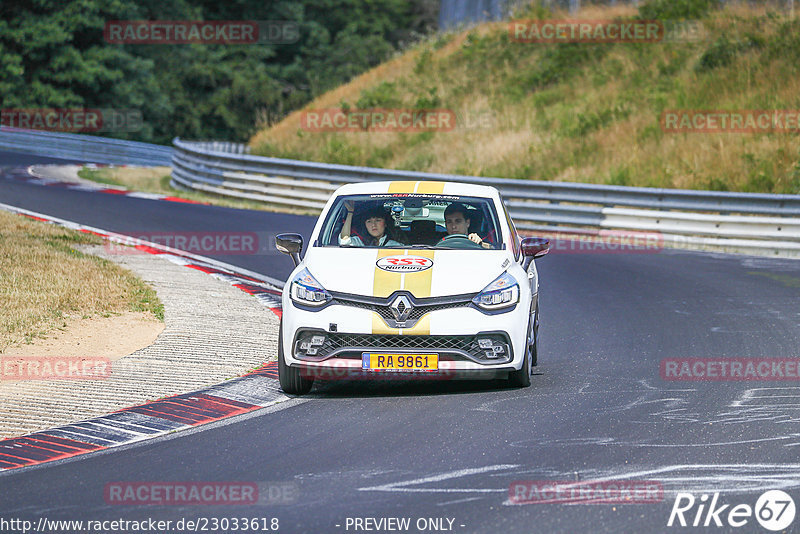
(106, 337)
(44, 282)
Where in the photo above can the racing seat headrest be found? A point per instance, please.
(422, 232)
(475, 221)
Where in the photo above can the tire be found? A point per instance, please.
(291, 379)
(522, 378)
(535, 347)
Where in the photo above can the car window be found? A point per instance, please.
(412, 221)
(515, 242)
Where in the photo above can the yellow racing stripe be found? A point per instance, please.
(422, 328)
(384, 282)
(410, 186)
(402, 186)
(379, 326)
(418, 284)
(431, 188)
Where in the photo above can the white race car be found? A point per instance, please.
(410, 279)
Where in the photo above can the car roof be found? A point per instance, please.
(414, 186)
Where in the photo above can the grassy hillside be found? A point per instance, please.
(579, 112)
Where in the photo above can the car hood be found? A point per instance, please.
(424, 273)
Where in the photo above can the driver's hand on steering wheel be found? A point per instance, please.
(475, 238)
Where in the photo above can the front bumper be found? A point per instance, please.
(316, 346)
(345, 332)
(332, 372)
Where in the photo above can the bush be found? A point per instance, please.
(383, 95)
(533, 11)
(338, 150)
(423, 63)
(676, 9)
(594, 120)
(620, 176)
(429, 101)
(785, 43)
(722, 52)
(559, 63)
(794, 179)
(719, 54)
(419, 162)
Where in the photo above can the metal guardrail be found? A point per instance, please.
(740, 221)
(535, 205)
(750, 220)
(84, 148)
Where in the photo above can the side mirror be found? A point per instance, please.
(291, 244)
(534, 247)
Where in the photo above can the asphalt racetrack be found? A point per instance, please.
(598, 407)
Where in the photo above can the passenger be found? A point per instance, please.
(378, 227)
(457, 223)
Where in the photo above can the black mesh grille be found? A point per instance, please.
(335, 341)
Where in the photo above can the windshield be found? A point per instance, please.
(412, 221)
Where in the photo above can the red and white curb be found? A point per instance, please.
(265, 288)
(28, 176)
(253, 391)
(245, 394)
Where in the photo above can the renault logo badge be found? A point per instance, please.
(401, 308)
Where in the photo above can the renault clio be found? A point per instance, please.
(417, 279)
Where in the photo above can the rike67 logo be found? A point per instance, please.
(774, 510)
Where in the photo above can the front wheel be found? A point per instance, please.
(522, 378)
(291, 379)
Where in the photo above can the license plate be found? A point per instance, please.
(379, 361)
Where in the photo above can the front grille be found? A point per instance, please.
(350, 346)
(416, 314)
(420, 308)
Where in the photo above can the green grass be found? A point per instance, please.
(44, 281)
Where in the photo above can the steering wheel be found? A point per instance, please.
(459, 239)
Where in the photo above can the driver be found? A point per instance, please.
(457, 223)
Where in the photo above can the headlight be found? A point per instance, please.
(307, 291)
(501, 293)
